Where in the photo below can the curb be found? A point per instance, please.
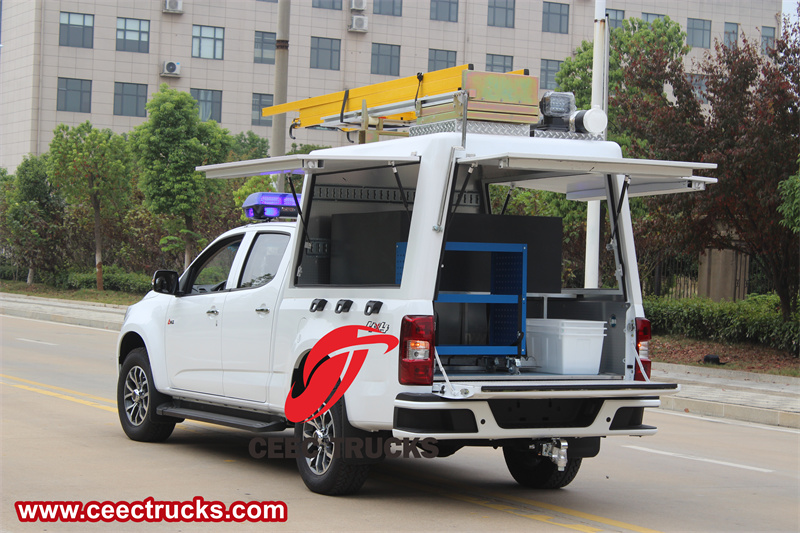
(88, 314)
(731, 411)
(697, 373)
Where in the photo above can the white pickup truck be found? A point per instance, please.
(400, 305)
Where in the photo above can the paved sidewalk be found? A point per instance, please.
(747, 396)
(707, 391)
(104, 316)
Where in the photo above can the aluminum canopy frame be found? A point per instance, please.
(299, 164)
(583, 178)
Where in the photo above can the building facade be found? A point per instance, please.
(100, 60)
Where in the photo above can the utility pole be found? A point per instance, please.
(278, 145)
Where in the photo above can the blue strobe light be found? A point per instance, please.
(268, 205)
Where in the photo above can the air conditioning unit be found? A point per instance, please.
(171, 69)
(173, 6)
(358, 5)
(358, 23)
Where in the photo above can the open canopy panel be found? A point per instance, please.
(300, 164)
(583, 178)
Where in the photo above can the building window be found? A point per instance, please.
(650, 17)
(441, 59)
(265, 47)
(74, 95)
(615, 17)
(501, 13)
(385, 59)
(498, 63)
(767, 39)
(698, 33)
(260, 101)
(133, 35)
(129, 99)
(208, 42)
(209, 103)
(325, 53)
(555, 18)
(388, 7)
(548, 73)
(731, 34)
(76, 30)
(327, 4)
(446, 10)
(699, 88)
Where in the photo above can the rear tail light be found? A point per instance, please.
(643, 335)
(416, 350)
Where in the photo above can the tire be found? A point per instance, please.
(533, 471)
(325, 471)
(137, 399)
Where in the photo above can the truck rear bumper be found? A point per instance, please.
(510, 411)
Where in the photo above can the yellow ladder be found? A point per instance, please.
(405, 100)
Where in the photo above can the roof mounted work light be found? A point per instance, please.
(559, 113)
(268, 205)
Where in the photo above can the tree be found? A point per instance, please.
(248, 145)
(790, 208)
(89, 166)
(33, 216)
(748, 126)
(745, 120)
(169, 145)
(652, 50)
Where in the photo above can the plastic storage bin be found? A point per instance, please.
(557, 346)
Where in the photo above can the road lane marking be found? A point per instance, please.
(490, 503)
(61, 396)
(701, 459)
(38, 388)
(37, 342)
(431, 483)
(577, 514)
(46, 386)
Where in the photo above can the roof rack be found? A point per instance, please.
(443, 100)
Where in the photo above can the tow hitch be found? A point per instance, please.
(556, 450)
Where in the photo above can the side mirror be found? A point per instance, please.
(165, 282)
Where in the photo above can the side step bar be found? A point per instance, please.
(234, 418)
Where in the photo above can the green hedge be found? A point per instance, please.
(114, 279)
(755, 319)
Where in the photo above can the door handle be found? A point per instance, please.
(318, 304)
(262, 309)
(212, 311)
(343, 306)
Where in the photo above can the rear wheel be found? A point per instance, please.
(532, 470)
(137, 399)
(320, 459)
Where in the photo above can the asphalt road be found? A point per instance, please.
(61, 440)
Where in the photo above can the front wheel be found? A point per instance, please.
(534, 471)
(320, 461)
(137, 399)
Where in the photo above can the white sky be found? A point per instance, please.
(790, 8)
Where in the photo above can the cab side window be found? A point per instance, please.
(213, 272)
(262, 263)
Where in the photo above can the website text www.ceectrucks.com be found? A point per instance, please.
(151, 510)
